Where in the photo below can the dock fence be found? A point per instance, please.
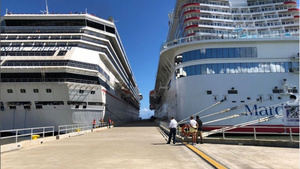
(16, 135)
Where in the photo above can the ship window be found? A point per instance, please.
(46, 22)
(35, 90)
(208, 92)
(110, 29)
(76, 103)
(293, 90)
(270, 97)
(76, 106)
(49, 103)
(62, 53)
(233, 101)
(279, 98)
(276, 90)
(81, 91)
(95, 25)
(9, 90)
(232, 91)
(93, 92)
(48, 91)
(38, 106)
(95, 103)
(23, 90)
(84, 106)
(27, 107)
(12, 107)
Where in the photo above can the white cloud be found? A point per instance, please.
(146, 113)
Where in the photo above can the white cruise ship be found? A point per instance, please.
(230, 62)
(58, 69)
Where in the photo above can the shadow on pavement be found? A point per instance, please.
(142, 123)
(165, 144)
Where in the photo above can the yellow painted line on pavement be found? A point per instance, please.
(211, 161)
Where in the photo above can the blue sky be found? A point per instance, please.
(142, 24)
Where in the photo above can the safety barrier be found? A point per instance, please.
(16, 135)
(265, 130)
(65, 129)
(253, 131)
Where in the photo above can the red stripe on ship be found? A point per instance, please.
(192, 18)
(191, 26)
(190, 4)
(106, 92)
(191, 34)
(293, 9)
(258, 128)
(290, 2)
(192, 11)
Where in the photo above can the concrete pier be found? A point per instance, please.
(137, 146)
(142, 146)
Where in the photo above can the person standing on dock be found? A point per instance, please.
(199, 132)
(193, 129)
(172, 133)
(94, 123)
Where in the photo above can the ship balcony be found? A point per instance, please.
(260, 19)
(263, 3)
(206, 3)
(208, 25)
(232, 36)
(228, 12)
(214, 4)
(293, 9)
(290, 3)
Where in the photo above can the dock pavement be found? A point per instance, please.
(141, 145)
(135, 146)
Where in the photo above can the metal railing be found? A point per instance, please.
(229, 36)
(264, 130)
(253, 132)
(65, 129)
(16, 135)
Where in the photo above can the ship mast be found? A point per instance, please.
(47, 11)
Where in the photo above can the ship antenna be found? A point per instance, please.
(86, 11)
(47, 11)
(6, 11)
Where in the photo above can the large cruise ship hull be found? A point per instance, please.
(118, 110)
(253, 97)
(64, 105)
(14, 115)
(190, 99)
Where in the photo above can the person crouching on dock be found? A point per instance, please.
(172, 133)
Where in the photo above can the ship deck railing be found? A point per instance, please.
(17, 135)
(224, 37)
(47, 80)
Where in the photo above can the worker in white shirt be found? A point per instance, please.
(172, 133)
(193, 129)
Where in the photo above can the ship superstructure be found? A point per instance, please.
(60, 69)
(229, 57)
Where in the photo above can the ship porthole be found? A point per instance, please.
(293, 97)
